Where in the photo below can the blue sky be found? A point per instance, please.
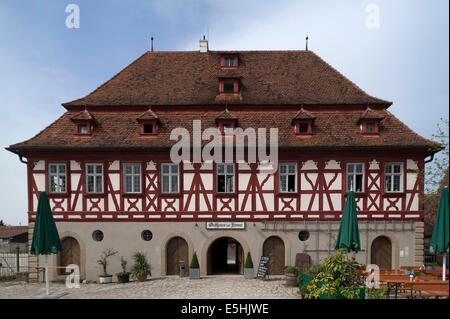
(44, 64)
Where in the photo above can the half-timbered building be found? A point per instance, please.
(106, 167)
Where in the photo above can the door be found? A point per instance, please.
(274, 249)
(70, 254)
(381, 252)
(177, 252)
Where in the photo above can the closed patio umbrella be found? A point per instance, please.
(45, 235)
(348, 235)
(439, 239)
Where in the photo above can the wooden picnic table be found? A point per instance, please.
(399, 281)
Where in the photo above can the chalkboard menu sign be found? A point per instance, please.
(263, 267)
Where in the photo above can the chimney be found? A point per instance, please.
(204, 45)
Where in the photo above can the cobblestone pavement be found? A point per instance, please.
(216, 287)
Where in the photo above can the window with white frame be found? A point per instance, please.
(288, 178)
(393, 177)
(57, 178)
(225, 178)
(355, 177)
(132, 178)
(169, 176)
(94, 178)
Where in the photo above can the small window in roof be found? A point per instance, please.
(229, 61)
(82, 129)
(148, 128)
(303, 127)
(228, 87)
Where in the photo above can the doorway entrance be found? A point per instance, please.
(70, 254)
(176, 253)
(274, 249)
(225, 256)
(381, 252)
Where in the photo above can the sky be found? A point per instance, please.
(394, 50)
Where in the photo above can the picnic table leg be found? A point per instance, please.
(396, 289)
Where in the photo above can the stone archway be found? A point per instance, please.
(74, 251)
(229, 234)
(274, 248)
(177, 252)
(394, 248)
(381, 252)
(164, 244)
(225, 256)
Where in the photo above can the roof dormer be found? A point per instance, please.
(369, 122)
(226, 122)
(303, 122)
(149, 123)
(84, 122)
(229, 61)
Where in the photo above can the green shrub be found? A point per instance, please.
(373, 293)
(248, 261)
(141, 267)
(291, 270)
(194, 262)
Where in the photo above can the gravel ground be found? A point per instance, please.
(211, 287)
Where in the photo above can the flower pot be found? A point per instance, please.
(249, 273)
(291, 279)
(123, 278)
(194, 273)
(141, 278)
(105, 279)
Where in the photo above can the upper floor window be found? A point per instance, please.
(355, 177)
(148, 128)
(393, 177)
(229, 61)
(57, 178)
(288, 178)
(225, 178)
(94, 178)
(169, 174)
(229, 86)
(82, 129)
(132, 178)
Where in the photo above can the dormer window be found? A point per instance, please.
(82, 129)
(148, 123)
(229, 61)
(84, 123)
(369, 122)
(229, 86)
(303, 122)
(226, 122)
(148, 128)
(227, 129)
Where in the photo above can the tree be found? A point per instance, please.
(2, 223)
(436, 174)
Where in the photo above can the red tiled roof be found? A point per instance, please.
(11, 231)
(304, 115)
(148, 115)
(371, 114)
(120, 130)
(84, 115)
(226, 115)
(192, 78)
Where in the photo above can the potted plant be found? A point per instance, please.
(337, 279)
(194, 271)
(291, 273)
(124, 276)
(248, 267)
(141, 268)
(105, 278)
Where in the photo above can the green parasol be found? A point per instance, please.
(45, 235)
(348, 235)
(439, 239)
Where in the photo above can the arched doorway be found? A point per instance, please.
(176, 253)
(225, 256)
(274, 249)
(381, 252)
(70, 254)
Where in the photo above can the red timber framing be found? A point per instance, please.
(320, 193)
